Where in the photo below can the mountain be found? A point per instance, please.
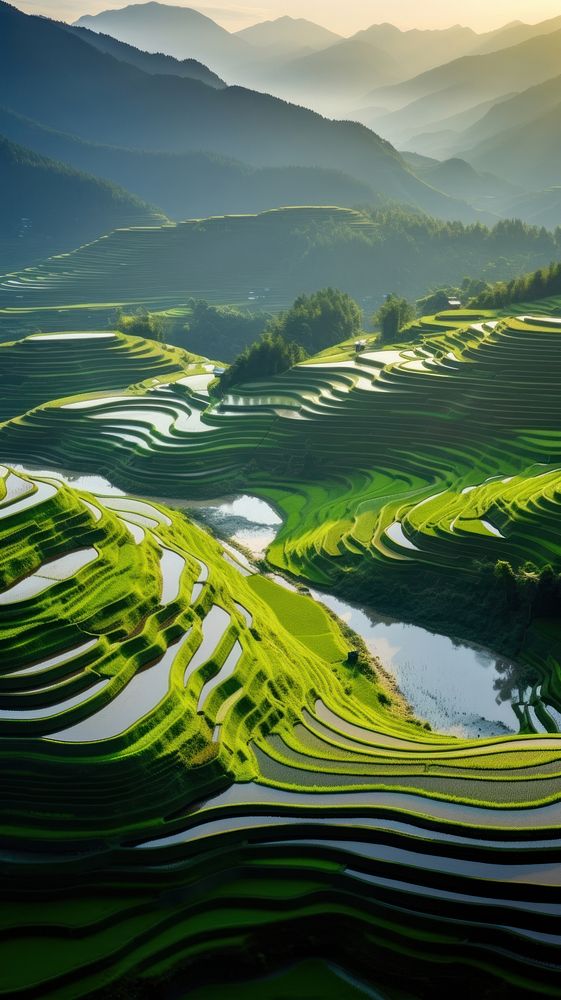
(51, 76)
(286, 37)
(446, 137)
(192, 185)
(47, 207)
(519, 110)
(176, 31)
(149, 62)
(465, 82)
(328, 80)
(377, 56)
(493, 193)
(460, 180)
(515, 33)
(417, 50)
(528, 154)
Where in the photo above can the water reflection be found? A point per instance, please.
(459, 689)
(451, 684)
(246, 520)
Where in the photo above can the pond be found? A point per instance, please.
(450, 684)
(245, 520)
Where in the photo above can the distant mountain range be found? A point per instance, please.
(150, 62)
(459, 85)
(285, 37)
(59, 80)
(479, 115)
(301, 61)
(447, 94)
(348, 69)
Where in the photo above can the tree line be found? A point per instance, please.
(540, 284)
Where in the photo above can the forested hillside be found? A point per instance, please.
(47, 207)
(264, 261)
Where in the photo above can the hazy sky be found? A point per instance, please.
(344, 17)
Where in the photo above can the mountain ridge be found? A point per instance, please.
(114, 103)
(149, 62)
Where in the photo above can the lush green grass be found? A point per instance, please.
(308, 622)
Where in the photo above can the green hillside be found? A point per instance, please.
(42, 367)
(398, 510)
(522, 292)
(47, 207)
(264, 261)
(200, 749)
(280, 654)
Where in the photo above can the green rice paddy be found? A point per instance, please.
(194, 767)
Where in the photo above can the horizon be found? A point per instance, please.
(359, 14)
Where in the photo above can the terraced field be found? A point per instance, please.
(41, 367)
(202, 780)
(211, 774)
(222, 259)
(430, 458)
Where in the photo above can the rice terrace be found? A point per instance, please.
(280, 506)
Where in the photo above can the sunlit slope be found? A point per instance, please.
(395, 471)
(110, 606)
(42, 367)
(440, 438)
(175, 761)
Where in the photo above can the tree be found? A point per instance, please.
(537, 285)
(320, 320)
(220, 331)
(141, 324)
(435, 301)
(269, 356)
(392, 317)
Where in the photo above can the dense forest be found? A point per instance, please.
(402, 250)
(539, 284)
